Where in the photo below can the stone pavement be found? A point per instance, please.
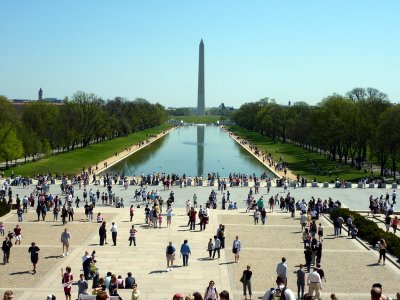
(350, 267)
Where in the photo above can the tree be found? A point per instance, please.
(11, 147)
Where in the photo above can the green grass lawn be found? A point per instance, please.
(71, 163)
(301, 161)
(198, 119)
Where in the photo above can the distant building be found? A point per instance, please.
(40, 94)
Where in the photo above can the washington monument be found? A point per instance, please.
(200, 93)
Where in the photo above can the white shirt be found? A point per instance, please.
(314, 278)
(114, 228)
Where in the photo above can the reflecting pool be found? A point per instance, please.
(194, 151)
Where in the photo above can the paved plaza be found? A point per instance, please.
(350, 268)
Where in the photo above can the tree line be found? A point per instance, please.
(83, 119)
(352, 128)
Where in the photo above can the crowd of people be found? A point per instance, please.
(312, 237)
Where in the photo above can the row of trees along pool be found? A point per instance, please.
(40, 127)
(351, 128)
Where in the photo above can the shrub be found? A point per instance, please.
(369, 231)
(4, 208)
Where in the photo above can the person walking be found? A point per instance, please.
(320, 233)
(217, 247)
(65, 239)
(314, 284)
(236, 247)
(170, 254)
(6, 247)
(246, 280)
(256, 216)
(169, 215)
(211, 291)
(395, 223)
(192, 218)
(114, 231)
(282, 269)
(34, 251)
(185, 252)
(132, 236)
(300, 282)
(263, 216)
(382, 250)
(308, 257)
(18, 234)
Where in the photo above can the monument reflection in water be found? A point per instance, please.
(194, 151)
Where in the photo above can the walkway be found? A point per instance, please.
(279, 174)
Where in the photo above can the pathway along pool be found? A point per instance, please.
(194, 151)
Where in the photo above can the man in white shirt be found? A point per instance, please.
(114, 230)
(280, 289)
(282, 270)
(314, 283)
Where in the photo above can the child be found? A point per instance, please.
(2, 228)
(159, 220)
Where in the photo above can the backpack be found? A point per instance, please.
(277, 294)
(170, 250)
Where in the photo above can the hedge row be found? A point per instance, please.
(369, 231)
(4, 208)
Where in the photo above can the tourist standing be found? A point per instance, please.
(65, 239)
(217, 246)
(131, 212)
(34, 251)
(246, 280)
(82, 286)
(132, 236)
(282, 269)
(210, 248)
(102, 233)
(169, 215)
(86, 261)
(67, 280)
(236, 247)
(300, 282)
(114, 231)
(185, 252)
(170, 254)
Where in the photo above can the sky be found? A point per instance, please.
(285, 50)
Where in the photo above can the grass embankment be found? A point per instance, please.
(301, 161)
(198, 119)
(71, 163)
